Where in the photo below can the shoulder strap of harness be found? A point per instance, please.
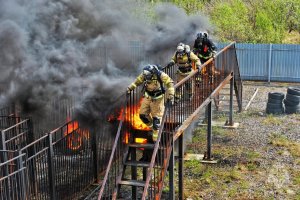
(158, 74)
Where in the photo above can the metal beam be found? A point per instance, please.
(180, 168)
(209, 130)
(171, 175)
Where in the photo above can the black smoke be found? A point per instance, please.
(84, 50)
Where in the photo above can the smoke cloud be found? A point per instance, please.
(88, 50)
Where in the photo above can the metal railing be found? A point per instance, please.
(60, 164)
(205, 84)
(15, 136)
(13, 184)
(214, 74)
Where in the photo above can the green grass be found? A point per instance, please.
(272, 120)
(240, 167)
(281, 141)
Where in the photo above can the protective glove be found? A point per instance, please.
(214, 53)
(170, 64)
(129, 89)
(170, 101)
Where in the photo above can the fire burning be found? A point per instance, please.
(76, 136)
(132, 116)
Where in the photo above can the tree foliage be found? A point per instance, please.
(252, 21)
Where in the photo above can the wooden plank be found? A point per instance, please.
(137, 145)
(132, 183)
(137, 163)
(251, 99)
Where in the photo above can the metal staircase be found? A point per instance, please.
(146, 177)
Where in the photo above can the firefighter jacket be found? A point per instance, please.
(184, 62)
(204, 48)
(153, 88)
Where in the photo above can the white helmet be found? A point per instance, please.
(180, 48)
(202, 35)
(187, 48)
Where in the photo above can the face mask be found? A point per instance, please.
(148, 75)
(180, 54)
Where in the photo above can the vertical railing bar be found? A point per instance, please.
(180, 167)
(171, 175)
(270, 63)
(209, 130)
(51, 168)
(231, 101)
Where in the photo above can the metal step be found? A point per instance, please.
(145, 146)
(137, 163)
(133, 183)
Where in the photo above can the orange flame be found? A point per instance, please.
(133, 117)
(141, 140)
(75, 140)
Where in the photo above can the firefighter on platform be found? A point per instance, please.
(152, 106)
(184, 59)
(205, 49)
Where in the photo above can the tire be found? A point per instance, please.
(293, 98)
(275, 101)
(295, 107)
(293, 91)
(276, 95)
(290, 103)
(274, 106)
(274, 111)
(291, 110)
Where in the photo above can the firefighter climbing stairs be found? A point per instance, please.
(145, 174)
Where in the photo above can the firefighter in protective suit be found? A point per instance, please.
(205, 49)
(184, 58)
(152, 105)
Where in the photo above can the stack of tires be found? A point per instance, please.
(274, 104)
(292, 100)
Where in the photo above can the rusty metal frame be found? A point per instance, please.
(188, 121)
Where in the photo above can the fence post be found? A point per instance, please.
(180, 167)
(209, 135)
(23, 186)
(95, 153)
(231, 101)
(5, 158)
(30, 152)
(270, 60)
(51, 168)
(171, 172)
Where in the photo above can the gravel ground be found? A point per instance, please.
(275, 139)
(290, 123)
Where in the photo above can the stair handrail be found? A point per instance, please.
(228, 69)
(152, 162)
(111, 159)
